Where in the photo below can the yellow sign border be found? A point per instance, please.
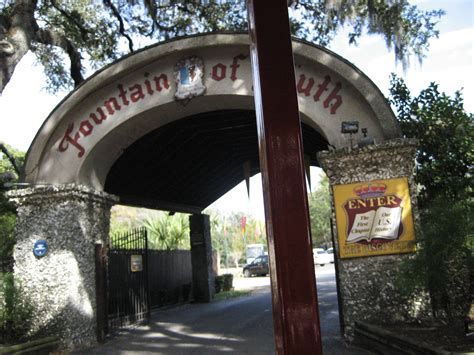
(405, 242)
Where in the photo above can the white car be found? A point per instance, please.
(330, 251)
(321, 257)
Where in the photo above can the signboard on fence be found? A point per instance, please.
(374, 218)
(136, 263)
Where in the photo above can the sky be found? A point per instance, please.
(24, 105)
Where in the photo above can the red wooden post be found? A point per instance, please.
(295, 305)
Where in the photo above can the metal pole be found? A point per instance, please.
(147, 275)
(295, 310)
(101, 292)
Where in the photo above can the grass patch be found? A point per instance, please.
(225, 295)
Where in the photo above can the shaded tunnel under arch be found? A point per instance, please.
(186, 165)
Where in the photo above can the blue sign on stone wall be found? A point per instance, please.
(40, 248)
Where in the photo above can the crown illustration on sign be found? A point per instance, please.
(371, 189)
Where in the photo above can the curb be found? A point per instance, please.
(387, 342)
(45, 345)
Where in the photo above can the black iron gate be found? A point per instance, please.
(128, 299)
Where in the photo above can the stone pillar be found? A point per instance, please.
(201, 258)
(61, 284)
(367, 285)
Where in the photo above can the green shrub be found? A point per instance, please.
(232, 294)
(441, 264)
(7, 241)
(224, 282)
(15, 312)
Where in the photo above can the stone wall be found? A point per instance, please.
(201, 258)
(61, 284)
(367, 285)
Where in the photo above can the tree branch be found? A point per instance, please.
(84, 31)
(16, 34)
(116, 13)
(49, 37)
(162, 27)
(11, 158)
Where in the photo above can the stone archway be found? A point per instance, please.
(175, 99)
(86, 134)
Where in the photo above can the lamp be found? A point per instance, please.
(350, 127)
(366, 140)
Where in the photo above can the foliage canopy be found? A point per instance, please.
(165, 232)
(444, 174)
(168, 232)
(71, 38)
(10, 162)
(230, 239)
(445, 157)
(320, 214)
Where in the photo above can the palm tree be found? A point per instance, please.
(168, 232)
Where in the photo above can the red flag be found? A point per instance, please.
(243, 224)
(225, 226)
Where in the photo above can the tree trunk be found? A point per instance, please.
(16, 34)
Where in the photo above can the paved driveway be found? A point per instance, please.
(239, 326)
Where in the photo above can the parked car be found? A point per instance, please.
(321, 257)
(259, 266)
(330, 251)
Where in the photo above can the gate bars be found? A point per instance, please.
(128, 293)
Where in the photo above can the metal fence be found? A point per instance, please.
(128, 297)
(169, 276)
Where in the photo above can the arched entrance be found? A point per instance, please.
(92, 128)
(169, 127)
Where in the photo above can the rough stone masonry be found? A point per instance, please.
(367, 285)
(61, 284)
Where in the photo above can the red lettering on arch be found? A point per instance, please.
(85, 128)
(98, 120)
(148, 85)
(334, 98)
(322, 88)
(162, 78)
(64, 144)
(235, 65)
(307, 90)
(111, 105)
(218, 72)
(123, 95)
(137, 93)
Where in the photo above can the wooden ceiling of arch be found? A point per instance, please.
(188, 164)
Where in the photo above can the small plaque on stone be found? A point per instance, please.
(40, 248)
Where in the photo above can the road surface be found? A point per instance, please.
(241, 325)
